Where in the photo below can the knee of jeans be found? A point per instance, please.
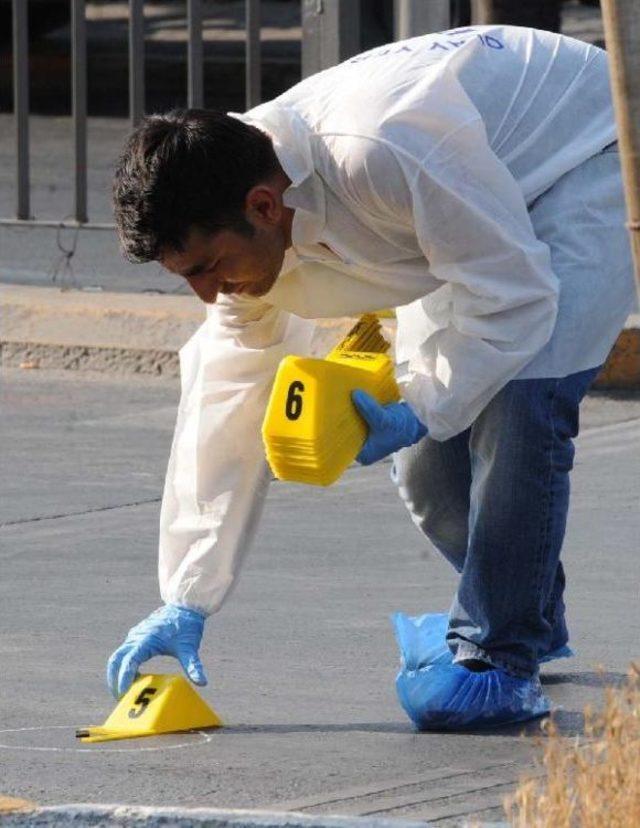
(446, 528)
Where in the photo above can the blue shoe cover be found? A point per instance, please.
(450, 697)
(439, 695)
(422, 640)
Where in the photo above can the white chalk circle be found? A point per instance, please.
(191, 739)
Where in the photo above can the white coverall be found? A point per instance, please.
(414, 168)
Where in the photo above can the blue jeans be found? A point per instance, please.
(494, 501)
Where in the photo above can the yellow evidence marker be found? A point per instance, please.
(154, 704)
(312, 431)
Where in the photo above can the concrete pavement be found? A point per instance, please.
(301, 660)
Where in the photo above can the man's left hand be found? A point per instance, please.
(391, 427)
(171, 630)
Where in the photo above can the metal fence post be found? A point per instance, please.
(416, 17)
(21, 105)
(253, 75)
(136, 60)
(195, 96)
(79, 108)
(330, 33)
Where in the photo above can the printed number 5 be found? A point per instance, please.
(143, 700)
(293, 408)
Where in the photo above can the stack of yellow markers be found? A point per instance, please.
(312, 432)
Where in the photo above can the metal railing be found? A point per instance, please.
(21, 105)
(195, 93)
(330, 33)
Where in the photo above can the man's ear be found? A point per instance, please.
(264, 203)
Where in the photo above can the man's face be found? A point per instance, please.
(226, 261)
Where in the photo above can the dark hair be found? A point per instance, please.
(189, 168)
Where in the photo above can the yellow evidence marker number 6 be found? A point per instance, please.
(293, 407)
(311, 429)
(143, 700)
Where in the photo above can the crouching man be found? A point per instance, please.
(469, 179)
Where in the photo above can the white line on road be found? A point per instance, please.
(205, 739)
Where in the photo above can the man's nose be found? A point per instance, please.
(207, 293)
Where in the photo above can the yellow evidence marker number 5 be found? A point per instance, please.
(144, 700)
(154, 704)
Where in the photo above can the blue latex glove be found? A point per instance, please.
(170, 630)
(391, 427)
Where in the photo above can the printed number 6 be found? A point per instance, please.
(293, 408)
(143, 700)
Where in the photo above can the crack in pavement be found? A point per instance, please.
(441, 799)
(394, 788)
(82, 512)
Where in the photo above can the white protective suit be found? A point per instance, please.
(414, 169)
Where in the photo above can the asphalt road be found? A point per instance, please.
(302, 659)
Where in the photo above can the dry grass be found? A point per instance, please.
(592, 781)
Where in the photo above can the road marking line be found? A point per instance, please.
(206, 738)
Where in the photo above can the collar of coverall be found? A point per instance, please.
(305, 195)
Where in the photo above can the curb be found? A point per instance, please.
(89, 358)
(123, 321)
(121, 333)
(141, 817)
(129, 333)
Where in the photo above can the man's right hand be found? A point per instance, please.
(170, 630)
